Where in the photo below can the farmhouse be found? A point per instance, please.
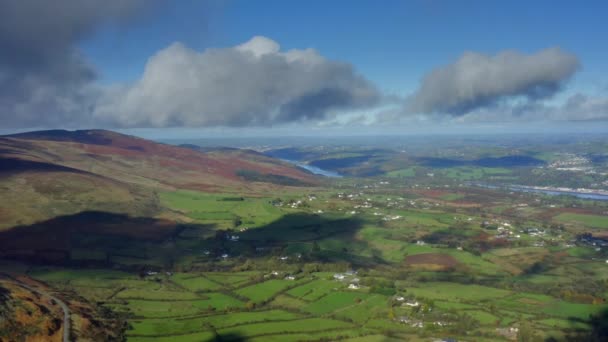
(412, 303)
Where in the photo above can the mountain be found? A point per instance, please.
(45, 174)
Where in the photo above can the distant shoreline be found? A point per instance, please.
(601, 195)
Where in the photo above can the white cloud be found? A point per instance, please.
(476, 81)
(253, 83)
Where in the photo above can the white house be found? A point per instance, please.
(412, 303)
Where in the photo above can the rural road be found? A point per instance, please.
(64, 307)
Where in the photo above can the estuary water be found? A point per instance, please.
(549, 191)
(314, 169)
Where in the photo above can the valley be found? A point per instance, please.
(179, 244)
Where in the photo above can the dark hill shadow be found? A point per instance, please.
(52, 241)
(13, 165)
(231, 337)
(108, 237)
(596, 328)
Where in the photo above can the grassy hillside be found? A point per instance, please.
(53, 173)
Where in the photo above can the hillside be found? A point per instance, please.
(46, 174)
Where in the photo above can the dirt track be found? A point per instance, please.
(64, 307)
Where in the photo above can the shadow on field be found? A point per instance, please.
(232, 337)
(101, 239)
(596, 331)
(52, 241)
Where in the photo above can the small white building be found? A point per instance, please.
(412, 303)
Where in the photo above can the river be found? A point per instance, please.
(314, 169)
(599, 196)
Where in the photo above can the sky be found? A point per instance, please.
(187, 67)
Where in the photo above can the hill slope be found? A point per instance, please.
(46, 174)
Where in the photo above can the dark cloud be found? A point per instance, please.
(477, 81)
(254, 83)
(44, 79)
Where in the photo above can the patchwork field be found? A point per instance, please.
(353, 262)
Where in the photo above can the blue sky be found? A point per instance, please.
(247, 66)
(393, 43)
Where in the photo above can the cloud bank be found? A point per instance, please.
(45, 81)
(254, 83)
(477, 81)
(43, 77)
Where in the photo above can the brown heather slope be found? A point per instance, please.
(31, 311)
(46, 174)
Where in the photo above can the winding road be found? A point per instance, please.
(64, 307)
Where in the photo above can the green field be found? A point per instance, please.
(264, 291)
(222, 209)
(402, 173)
(196, 294)
(595, 221)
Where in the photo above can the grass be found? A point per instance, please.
(314, 290)
(215, 208)
(595, 221)
(402, 173)
(569, 310)
(160, 327)
(136, 293)
(451, 291)
(171, 308)
(373, 306)
(335, 301)
(195, 283)
(482, 317)
(453, 305)
(302, 325)
(183, 306)
(194, 337)
(264, 291)
(152, 309)
(452, 197)
(229, 279)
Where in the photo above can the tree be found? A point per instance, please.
(526, 332)
(250, 305)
